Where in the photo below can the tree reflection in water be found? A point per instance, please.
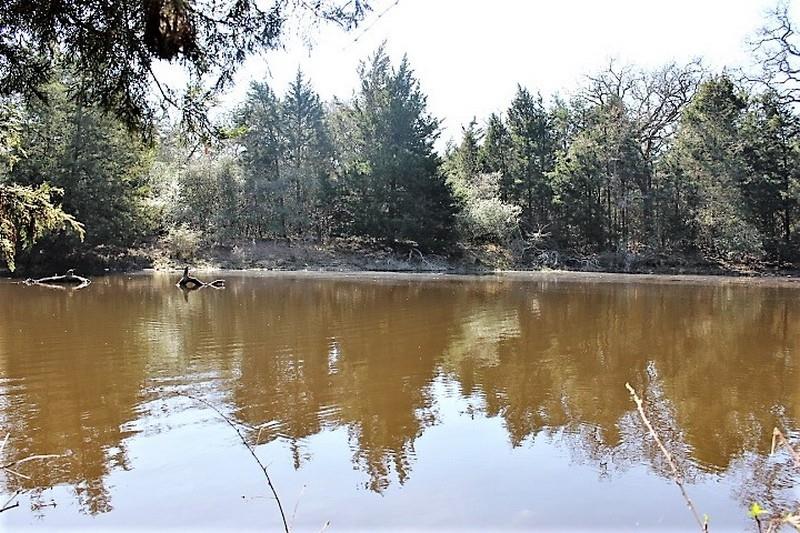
(297, 356)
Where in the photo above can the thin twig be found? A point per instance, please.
(371, 24)
(23, 476)
(28, 459)
(232, 424)
(676, 476)
(7, 468)
(297, 504)
(6, 506)
(778, 440)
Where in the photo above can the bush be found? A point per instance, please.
(484, 217)
(182, 242)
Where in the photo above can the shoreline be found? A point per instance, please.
(499, 276)
(556, 276)
(359, 258)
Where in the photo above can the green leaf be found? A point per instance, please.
(756, 510)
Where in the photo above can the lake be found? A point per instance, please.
(397, 402)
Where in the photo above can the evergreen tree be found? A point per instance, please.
(594, 182)
(394, 188)
(115, 45)
(495, 151)
(532, 158)
(707, 157)
(464, 162)
(308, 154)
(101, 167)
(265, 209)
(26, 213)
(769, 136)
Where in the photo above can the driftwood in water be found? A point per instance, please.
(190, 283)
(70, 278)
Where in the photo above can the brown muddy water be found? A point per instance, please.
(396, 402)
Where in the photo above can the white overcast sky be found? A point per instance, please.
(469, 55)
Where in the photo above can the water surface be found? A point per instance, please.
(396, 402)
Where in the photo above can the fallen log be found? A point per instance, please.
(190, 283)
(70, 278)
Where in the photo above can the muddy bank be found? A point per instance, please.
(356, 256)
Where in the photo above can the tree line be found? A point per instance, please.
(675, 160)
(672, 160)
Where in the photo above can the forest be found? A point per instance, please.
(675, 165)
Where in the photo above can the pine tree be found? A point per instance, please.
(769, 135)
(265, 209)
(101, 167)
(495, 153)
(395, 190)
(707, 158)
(308, 153)
(532, 157)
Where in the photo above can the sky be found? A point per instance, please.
(469, 55)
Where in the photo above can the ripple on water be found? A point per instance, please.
(474, 402)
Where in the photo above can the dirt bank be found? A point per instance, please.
(355, 256)
(358, 256)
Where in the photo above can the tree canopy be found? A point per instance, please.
(114, 46)
(26, 213)
(672, 163)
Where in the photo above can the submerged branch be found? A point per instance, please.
(191, 283)
(7, 468)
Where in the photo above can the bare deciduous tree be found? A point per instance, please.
(777, 50)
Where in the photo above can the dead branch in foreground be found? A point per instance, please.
(676, 475)
(7, 468)
(252, 451)
(778, 440)
(792, 518)
(8, 505)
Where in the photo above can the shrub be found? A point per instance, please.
(484, 217)
(182, 242)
